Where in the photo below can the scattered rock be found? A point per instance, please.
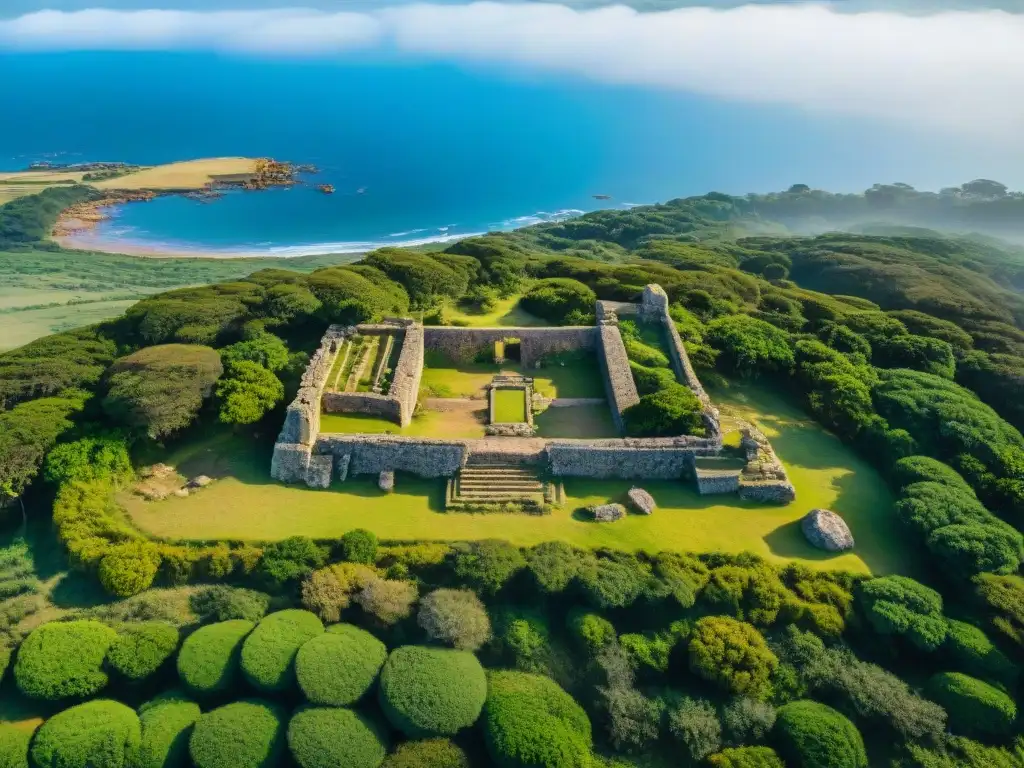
(181, 492)
(199, 481)
(826, 530)
(608, 513)
(641, 500)
(341, 466)
(386, 481)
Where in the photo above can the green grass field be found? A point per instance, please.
(444, 378)
(509, 406)
(576, 421)
(245, 504)
(506, 313)
(424, 424)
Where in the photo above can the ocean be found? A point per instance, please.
(416, 150)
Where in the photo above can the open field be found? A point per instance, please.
(190, 174)
(577, 378)
(576, 421)
(244, 503)
(510, 406)
(461, 423)
(506, 313)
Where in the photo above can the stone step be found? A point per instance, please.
(498, 496)
(495, 472)
(503, 487)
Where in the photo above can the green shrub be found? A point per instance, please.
(811, 735)
(971, 648)
(245, 734)
(554, 564)
(140, 649)
(455, 617)
(488, 564)
(669, 412)
(524, 639)
(746, 757)
(288, 561)
(327, 737)
(924, 469)
(359, 546)
(529, 722)
(750, 346)
(560, 300)
(898, 605)
(432, 753)
(732, 654)
(269, 652)
(14, 746)
(166, 727)
(63, 660)
(340, 666)
(644, 354)
(98, 733)
(208, 661)
(432, 691)
(975, 708)
(591, 629)
(129, 568)
(224, 603)
(747, 721)
(695, 725)
(650, 380)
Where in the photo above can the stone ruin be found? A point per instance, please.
(303, 454)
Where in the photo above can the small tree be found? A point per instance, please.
(388, 600)
(455, 617)
(897, 605)
(359, 546)
(668, 412)
(732, 654)
(695, 725)
(246, 392)
(489, 564)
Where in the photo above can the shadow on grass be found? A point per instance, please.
(788, 541)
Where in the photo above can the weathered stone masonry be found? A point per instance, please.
(463, 345)
(618, 378)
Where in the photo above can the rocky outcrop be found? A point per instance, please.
(641, 501)
(826, 530)
(608, 513)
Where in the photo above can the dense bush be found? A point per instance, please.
(387, 600)
(554, 564)
(593, 631)
(246, 392)
(340, 666)
(488, 564)
(329, 591)
(975, 708)
(141, 648)
(732, 654)
(268, 654)
(166, 727)
(669, 412)
(244, 734)
(650, 380)
(523, 639)
(14, 743)
(432, 691)
(431, 753)
(327, 737)
(208, 660)
(159, 390)
(89, 458)
(359, 546)
(63, 660)
(98, 733)
(749, 346)
(924, 469)
(617, 581)
(562, 301)
(898, 605)
(223, 603)
(129, 568)
(286, 562)
(529, 722)
(747, 721)
(811, 735)
(746, 757)
(455, 617)
(695, 725)
(974, 651)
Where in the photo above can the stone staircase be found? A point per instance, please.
(495, 481)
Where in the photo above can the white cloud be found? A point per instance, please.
(960, 72)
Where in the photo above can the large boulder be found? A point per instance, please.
(641, 500)
(608, 513)
(826, 530)
(386, 481)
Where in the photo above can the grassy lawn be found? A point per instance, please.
(245, 504)
(424, 424)
(509, 406)
(578, 421)
(506, 314)
(576, 378)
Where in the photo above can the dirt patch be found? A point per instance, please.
(158, 482)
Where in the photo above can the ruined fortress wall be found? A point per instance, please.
(302, 419)
(630, 458)
(405, 381)
(370, 403)
(373, 454)
(618, 378)
(463, 345)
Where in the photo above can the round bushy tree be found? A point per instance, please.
(750, 346)
(140, 649)
(340, 666)
(898, 605)
(166, 727)
(359, 546)
(695, 725)
(561, 300)
(327, 737)
(732, 654)
(530, 722)
(245, 734)
(592, 630)
(100, 732)
(129, 568)
(746, 757)
(432, 691)
(811, 735)
(269, 652)
(63, 660)
(975, 708)
(455, 617)
(431, 753)
(972, 648)
(554, 564)
(746, 720)
(488, 564)
(668, 412)
(208, 661)
(14, 746)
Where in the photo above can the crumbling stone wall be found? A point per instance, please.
(764, 478)
(463, 345)
(373, 454)
(370, 403)
(618, 378)
(630, 458)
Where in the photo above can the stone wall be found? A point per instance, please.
(405, 381)
(618, 378)
(629, 458)
(302, 419)
(764, 478)
(463, 345)
(370, 403)
(373, 454)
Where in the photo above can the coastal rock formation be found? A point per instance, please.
(641, 500)
(826, 530)
(608, 513)
(386, 481)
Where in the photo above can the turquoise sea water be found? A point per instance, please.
(438, 150)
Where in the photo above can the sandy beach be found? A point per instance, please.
(86, 242)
